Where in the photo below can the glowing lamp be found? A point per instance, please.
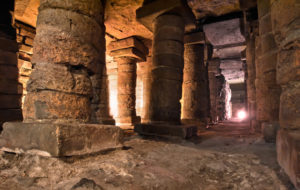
(241, 114)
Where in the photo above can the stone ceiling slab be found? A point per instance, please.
(224, 33)
(203, 8)
(26, 11)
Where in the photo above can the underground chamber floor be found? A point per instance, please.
(224, 156)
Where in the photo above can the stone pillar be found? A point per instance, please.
(163, 108)
(285, 16)
(147, 80)
(213, 70)
(251, 75)
(167, 69)
(139, 89)
(267, 90)
(112, 72)
(194, 99)
(127, 52)
(10, 89)
(69, 47)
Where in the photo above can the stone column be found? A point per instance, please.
(251, 75)
(10, 89)
(267, 90)
(195, 101)
(285, 17)
(213, 70)
(147, 80)
(69, 47)
(167, 69)
(127, 52)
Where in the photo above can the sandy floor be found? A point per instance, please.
(225, 156)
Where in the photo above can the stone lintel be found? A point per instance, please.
(147, 13)
(50, 139)
(183, 131)
(128, 52)
(131, 42)
(194, 38)
(288, 154)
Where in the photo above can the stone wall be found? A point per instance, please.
(25, 37)
(267, 90)
(10, 88)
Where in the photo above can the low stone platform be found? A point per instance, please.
(288, 154)
(50, 139)
(183, 131)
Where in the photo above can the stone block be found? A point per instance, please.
(148, 12)
(26, 49)
(285, 15)
(130, 42)
(194, 38)
(269, 131)
(91, 8)
(27, 33)
(182, 131)
(59, 77)
(55, 105)
(128, 52)
(288, 66)
(268, 62)
(265, 25)
(268, 43)
(29, 41)
(168, 47)
(25, 64)
(288, 154)
(64, 139)
(263, 7)
(289, 115)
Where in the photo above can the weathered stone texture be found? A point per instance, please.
(167, 75)
(58, 140)
(68, 47)
(195, 101)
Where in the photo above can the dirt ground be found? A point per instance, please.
(225, 156)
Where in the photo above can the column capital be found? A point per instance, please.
(128, 47)
(149, 12)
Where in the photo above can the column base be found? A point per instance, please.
(127, 123)
(288, 154)
(183, 131)
(57, 140)
(197, 122)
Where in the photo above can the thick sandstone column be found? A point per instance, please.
(267, 90)
(195, 100)
(167, 69)
(10, 89)
(69, 45)
(285, 16)
(127, 52)
(69, 48)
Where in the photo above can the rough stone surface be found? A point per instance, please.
(288, 149)
(269, 131)
(59, 139)
(224, 158)
(182, 131)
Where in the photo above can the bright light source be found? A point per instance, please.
(241, 114)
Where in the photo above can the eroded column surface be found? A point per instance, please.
(285, 16)
(195, 103)
(213, 70)
(167, 69)
(10, 89)
(68, 47)
(127, 52)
